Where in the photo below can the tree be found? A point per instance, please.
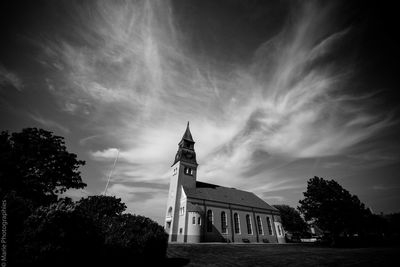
(101, 210)
(101, 206)
(332, 208)
(292, 220)
(36, 164)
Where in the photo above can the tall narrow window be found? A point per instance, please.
(209, 220)
(169, 212)
(194, 220)
(248, 221)
(237, 223)
(223, 223)
(279, 230)
(259, 226)
(182, 211)
(199, 221)
(269, 226)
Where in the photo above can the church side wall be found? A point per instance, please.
(268, 234)
(216, 235)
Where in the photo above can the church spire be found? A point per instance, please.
(187, 135)
(186, 151)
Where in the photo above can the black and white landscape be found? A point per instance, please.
(276, 92)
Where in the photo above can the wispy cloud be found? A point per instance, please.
(10, 78)
(49, 124)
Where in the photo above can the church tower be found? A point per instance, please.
(184, 170)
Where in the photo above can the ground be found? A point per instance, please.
(279, 255)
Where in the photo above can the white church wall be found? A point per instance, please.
(171, 221)
(182, 221)
(216, 235)
(194, 227)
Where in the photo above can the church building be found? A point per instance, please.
(203, 212)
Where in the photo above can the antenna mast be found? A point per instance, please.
(112, 170)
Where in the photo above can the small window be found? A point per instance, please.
(259, 226)
(279, 230)
(210, 220)
(194, 220)
(237, 223)
(224, 226)
(180, 230)
(199, 220)
(169, 212)
(188, 171)
(269, 226)
(249, 228)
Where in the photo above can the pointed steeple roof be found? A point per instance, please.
(186, 151)
(187, 135)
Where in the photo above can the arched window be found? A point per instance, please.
(210, 220)
(269, 226)
(248, 222)
(259, 226)
(237, 223)
(169, 212)
(224, 226)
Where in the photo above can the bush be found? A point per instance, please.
(141, 238)
(67, 233)
(57, 235)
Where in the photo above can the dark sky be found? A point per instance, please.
(276, 92)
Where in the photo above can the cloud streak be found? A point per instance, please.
(49, 124)
(10, 78)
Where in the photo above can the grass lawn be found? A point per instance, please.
(279, 255)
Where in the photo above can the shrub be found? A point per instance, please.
(140, 237)
(67, 233)
(57, 235)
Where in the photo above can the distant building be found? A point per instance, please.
(202, 212)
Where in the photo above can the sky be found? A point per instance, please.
(276, 92)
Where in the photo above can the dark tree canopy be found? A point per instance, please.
(332, 207)
(291, 219)
(101, 206)
(36, 164)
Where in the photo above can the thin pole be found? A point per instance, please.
(109, 176)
